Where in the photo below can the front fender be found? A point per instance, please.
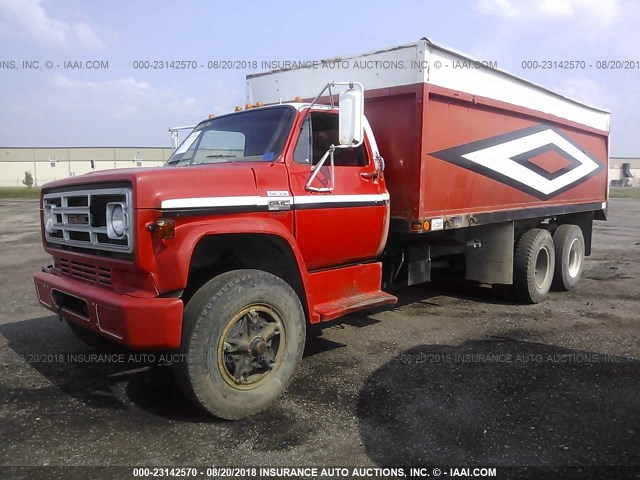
(171, 258)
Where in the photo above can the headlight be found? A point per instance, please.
(49, 219)
(116, 220)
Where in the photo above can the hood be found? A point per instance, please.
(151, 186)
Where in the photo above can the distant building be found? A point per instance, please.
(53, 163)
(624, 171)
(47, 164)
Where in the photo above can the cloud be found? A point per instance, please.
(589, 30)
(610, 22)
(590, 92)
(114, 112)
(123, 99)
(503, 8)
(60, 80)
(29, 17)
(590, 21)
(606, 12)
(86, 36)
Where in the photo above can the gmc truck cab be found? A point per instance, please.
(212, 255)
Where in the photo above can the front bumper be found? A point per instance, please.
(136, 322)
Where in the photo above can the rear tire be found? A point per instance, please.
(226, 366)
(533, 266)
(569, 247)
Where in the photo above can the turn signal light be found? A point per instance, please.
(426, 226)
(163, 228)
(416, 226)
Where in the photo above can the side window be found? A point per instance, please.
(318, 133)
(302, 153)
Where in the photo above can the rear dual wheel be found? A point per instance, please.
(243, 337)
(533, 266)
(542, 261)
(569, 248)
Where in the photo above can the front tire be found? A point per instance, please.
(533, 266)
(243, 337)
(569, 246)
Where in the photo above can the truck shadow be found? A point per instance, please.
(427, 294)
(116, 379)
(455, 288)
(502, 402)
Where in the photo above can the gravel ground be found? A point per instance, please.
(449, 376)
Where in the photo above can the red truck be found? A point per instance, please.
(286, 213)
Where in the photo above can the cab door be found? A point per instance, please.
(350, 223)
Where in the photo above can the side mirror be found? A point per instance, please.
(350, 129)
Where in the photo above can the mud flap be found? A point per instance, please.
(419, 265)
(489, 256)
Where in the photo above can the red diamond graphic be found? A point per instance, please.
(550, 161)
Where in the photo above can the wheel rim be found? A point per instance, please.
(251, 346)
(541, 270)
(575, 258)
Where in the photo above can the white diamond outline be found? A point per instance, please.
(498, 159)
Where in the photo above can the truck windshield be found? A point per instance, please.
(249, 136)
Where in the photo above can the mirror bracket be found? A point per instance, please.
(330, 152)
(316, 168)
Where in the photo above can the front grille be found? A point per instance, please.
(78, 218)
(85, 271)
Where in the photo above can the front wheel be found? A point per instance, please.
(243, 337)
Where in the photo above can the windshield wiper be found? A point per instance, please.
(221, 156)
(173, 163)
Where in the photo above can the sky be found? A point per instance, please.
(117, 104)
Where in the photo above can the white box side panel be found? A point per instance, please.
(498, 85)
(285, 85)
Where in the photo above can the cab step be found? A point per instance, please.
(337, 308)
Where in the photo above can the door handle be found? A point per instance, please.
(370, 175)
